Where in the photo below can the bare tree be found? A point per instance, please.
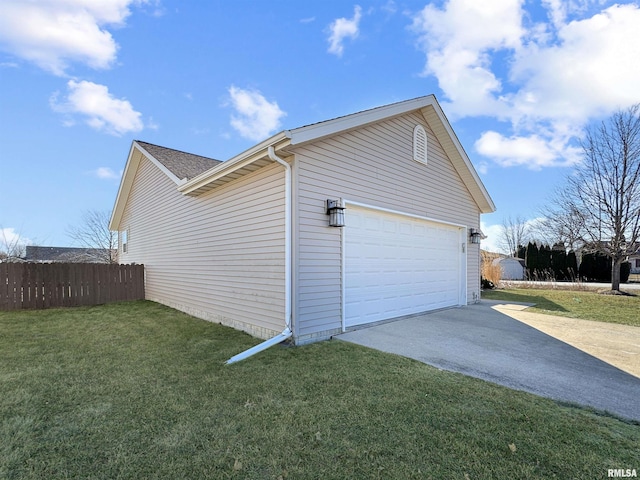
(514, 232)
(12, 246)
(560, 225)
(94, 233)
(602, 197)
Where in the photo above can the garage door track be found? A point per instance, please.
(478, 341)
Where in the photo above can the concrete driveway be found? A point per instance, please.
(480, 341)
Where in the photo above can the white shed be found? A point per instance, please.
(511, 268)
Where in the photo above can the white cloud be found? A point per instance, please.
(106, 173)
(482, 168)
(52, 34)
(256, 118)
(458, 40)
(531, 151)
(343, 28)
(559, 10)
(492, 242)
(11, 240)
(591, 71)
(100, 110)
(10, 235)
(151, 124)
(547, 79)
(390, 8)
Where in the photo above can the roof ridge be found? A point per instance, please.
(363, 111)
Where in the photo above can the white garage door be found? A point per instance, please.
(398, 265)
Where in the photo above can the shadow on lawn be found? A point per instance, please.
(539, 300)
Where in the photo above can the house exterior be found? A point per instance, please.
(247, 242)
(634, 259)
(635, 264)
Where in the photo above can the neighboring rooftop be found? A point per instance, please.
(181, 164)
(35, 253)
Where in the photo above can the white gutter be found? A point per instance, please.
(286, 333)
(229, 166)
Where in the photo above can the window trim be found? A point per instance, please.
(124, 240)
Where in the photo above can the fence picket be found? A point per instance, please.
(38, 285)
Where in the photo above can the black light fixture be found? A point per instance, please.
(335, 210)
(475, 235)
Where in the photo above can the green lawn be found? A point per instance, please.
(140, 391)
(587, 305)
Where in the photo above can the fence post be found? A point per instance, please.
(4, 286)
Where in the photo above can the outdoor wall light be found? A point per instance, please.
(335, 210)
(475, 235)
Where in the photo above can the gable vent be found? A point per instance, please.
(419, 144)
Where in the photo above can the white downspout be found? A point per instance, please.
(287, 332)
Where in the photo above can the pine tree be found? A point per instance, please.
(531, 260)
(572, 265)
(544, 261)
(559, 262)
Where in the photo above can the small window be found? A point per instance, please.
(124, 240)
(419, 144)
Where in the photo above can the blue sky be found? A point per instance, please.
(80, 79)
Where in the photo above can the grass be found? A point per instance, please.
(138, 390)
(584, 304)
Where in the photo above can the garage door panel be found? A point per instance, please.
(398, 265)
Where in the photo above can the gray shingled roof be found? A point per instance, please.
(181, 164)
(36, 253)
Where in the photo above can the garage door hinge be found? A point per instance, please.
(464, 246)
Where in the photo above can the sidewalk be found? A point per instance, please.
(630, 287)
(618, 345)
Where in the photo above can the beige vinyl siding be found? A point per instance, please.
(219, 256)
(372, 165)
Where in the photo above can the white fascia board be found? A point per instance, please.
(489, 205)
(239, 161)
(125, 187)
(464, 156)
(340, 124)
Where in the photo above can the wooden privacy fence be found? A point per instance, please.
(46, 285)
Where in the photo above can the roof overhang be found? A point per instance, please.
(236, 167)
(320, 130)
(257, 156)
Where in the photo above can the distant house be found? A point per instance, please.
(40, 254)
(634, 260)
(350, 221)
(511, 268)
